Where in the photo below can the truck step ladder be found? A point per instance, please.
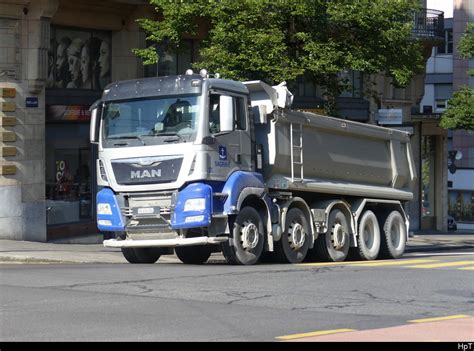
(296, 141)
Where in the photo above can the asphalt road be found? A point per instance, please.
(217, 302)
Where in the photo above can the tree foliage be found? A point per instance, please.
(281, 40)
(466, 44)
(460, 111)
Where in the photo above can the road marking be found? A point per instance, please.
(436, 319)
(445, 264)
(467, 268)
(315, 333)
(367, 263)
(422, 254)
(391, 263)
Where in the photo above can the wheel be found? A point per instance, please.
(393, 238)
(294, 243)
(193, 254)
(245, 245)
(141, 255)
(334, 245)
(368, 240)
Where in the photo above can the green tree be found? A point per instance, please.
(285, 39)
(460, 111)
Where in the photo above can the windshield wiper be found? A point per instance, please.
(174, 134)
(139, 137)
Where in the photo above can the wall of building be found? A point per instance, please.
(461, 192)
(463, 13)
(24, 32)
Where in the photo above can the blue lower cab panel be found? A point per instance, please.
(109, 217)
(237, 182)
(193, 207)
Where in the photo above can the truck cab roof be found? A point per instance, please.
(167, 85)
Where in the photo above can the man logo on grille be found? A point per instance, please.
(152, 173)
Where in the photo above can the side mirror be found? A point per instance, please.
(159, 126)
(95, 109)
(226, 116)
(260, 114)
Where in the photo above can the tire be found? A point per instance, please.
(393, 239)
(295, 239)
(333, 246)
(193, 254)
(368, 238)
(141, 255)
(245, 246)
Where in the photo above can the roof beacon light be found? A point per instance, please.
(203, 73)
(189, 72)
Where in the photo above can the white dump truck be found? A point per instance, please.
(193, 164)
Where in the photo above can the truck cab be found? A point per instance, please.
(170, 148)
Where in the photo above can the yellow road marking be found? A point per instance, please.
(467, 268)
(367, 263)
(445, 264)
(315, 333)
(435, 319)
(392, 262)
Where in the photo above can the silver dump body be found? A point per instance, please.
(308, 152)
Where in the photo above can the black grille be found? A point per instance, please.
(134, 172)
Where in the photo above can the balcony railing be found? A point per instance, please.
(428, 24)
(430, 116)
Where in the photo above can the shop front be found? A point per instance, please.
(79, 69)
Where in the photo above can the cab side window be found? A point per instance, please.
(214, 114)
(239, 113)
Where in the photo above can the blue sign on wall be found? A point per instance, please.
(32, 101)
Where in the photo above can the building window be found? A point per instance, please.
(441, 105)
(443, 92)
(353, 82)
(173, 62)
(461, 205)
(69, 173)
(305, 87)
(447, 46)
(78, 59)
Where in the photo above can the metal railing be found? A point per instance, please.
(428, 23)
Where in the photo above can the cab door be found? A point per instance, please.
(232, 147)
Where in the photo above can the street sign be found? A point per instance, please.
(31, 101)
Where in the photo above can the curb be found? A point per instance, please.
(444, 247)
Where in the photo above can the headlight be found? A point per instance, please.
(104, 209)
(195, 204)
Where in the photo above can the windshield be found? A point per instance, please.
(150, 121)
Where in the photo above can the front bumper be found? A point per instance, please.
(203, 240)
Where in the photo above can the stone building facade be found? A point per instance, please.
(55, 58)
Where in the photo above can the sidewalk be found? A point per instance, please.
(429, 241)
(73, 251)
